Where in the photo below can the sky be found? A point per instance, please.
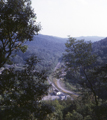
(72, 17)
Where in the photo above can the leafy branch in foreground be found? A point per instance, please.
(17, 25)
(21, 92)
(80, 60)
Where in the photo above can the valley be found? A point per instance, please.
(45, 77)
(56, 91)
(65, 95)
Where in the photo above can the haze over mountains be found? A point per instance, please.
(47, 48)
(90, 38)
(59, 39)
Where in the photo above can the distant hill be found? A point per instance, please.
(90, 38)
(48, 48)
(100, 48)
(101, 42)
(51, 38)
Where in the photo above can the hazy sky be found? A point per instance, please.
(72, 17)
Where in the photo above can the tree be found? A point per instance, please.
(81, 64)
(21, 90)
(80, 60)
(17, 24)
(74, 116)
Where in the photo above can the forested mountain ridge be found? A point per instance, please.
(100, 48)
(100, 43)
(90, 38)
(24, 80)
(47, 48)
(89, 74)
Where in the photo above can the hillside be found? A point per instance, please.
(90, 38)
(47, 48)
(100, 48)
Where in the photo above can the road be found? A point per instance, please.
(63, 94)
(63, 89)
(54, 87)
(57, 66)
(59, 85)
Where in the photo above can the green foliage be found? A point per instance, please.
(23, 48)
(80, 109)
(68, 116)
(100, 48)
(79, 53)
(49, 49)
(74, 116)
(17, 24)
(79, 60)
(57, 114)
(92, 103)
(83, 68)
(21, 92)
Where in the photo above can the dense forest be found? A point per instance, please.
(86, 67)
(28, 59)
(84, 107)
(49, 50)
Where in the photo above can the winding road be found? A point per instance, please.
(65, 93)
(63, 89)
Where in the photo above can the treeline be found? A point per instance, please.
(21, 91)
(89, 74)
(100, 49)
(85, 71)
(48, 49)
(82, 108)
